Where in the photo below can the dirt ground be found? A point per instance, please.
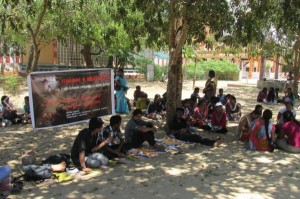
(229, 171)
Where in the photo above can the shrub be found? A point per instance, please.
(11, 84)
(223, 69)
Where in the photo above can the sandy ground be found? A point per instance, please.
(229, 171)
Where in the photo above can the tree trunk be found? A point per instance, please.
(30, 58)
(178, 30)
(35, 61)
(262, 68)
(277, 65)
(296, 65)
(87, 54)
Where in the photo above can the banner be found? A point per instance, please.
(66, 97)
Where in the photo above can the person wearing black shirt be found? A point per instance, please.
(84, 150)
(180, 130)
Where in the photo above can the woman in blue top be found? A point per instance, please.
(121, 90)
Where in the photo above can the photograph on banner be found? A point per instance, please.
(64, 97)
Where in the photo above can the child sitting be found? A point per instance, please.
(262, 95)
(233, 109)
(200, 115)
(26, 119)
(156, 109)
(222, 96)
(218, 121)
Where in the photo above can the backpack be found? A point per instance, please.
(37, 173)
(58, 158)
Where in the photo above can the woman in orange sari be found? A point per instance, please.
(258, 140)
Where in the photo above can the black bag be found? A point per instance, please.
(37, 173)
(58, 158)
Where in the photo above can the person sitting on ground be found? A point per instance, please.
(193, 104)
(200, 116)
(289, 95)
(289, 136)
(258, 139)
(218, 120)
(185, 104)
(222, 96)
(233, 109)
(246, 123)
(271, 96)
(84, 150)
(155, 108)
(196, 93)
(288, 107)
(112, 149)
(139, 95)
(137, 131)
(8, 110)
(181, 131)
(211, 106)
(262, 95)
(26, 119)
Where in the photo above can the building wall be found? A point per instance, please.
(46, 55)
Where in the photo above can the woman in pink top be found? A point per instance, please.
(289, 136)
(200, 116)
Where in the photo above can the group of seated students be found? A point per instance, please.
(272, 96)
(152, 109)
(9, 115)
(258, 131)
(94, 146)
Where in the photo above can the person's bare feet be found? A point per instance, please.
(59, 167)
(218, 142)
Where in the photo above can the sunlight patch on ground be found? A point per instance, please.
(144, 168)
(175, 171)
(250, 196)
(263, 159)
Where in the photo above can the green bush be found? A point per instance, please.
(11, 84)
(223, 69)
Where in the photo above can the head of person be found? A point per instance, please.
(137, 114)
(211, 74)
(288, 104)
(26, 100)
(267, 115)
(232, 99)
(138, 88)
(219, 107)
(95, 124)
(258, 110)
(221, 91)
(197, 90)
(289, 90)
(4, 100)
(288, 116)
(157, 97)
(185, 103)
(179, 112)
(264, 90)
(120, 72)
(271, 89)
(115, 121)
(202, 103)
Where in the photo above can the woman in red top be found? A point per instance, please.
(200, 115)
(218, 120)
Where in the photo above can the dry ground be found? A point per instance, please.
(226, 172)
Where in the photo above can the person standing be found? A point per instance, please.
(210, 86)
(121, 88)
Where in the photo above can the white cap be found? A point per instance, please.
(219, 104)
